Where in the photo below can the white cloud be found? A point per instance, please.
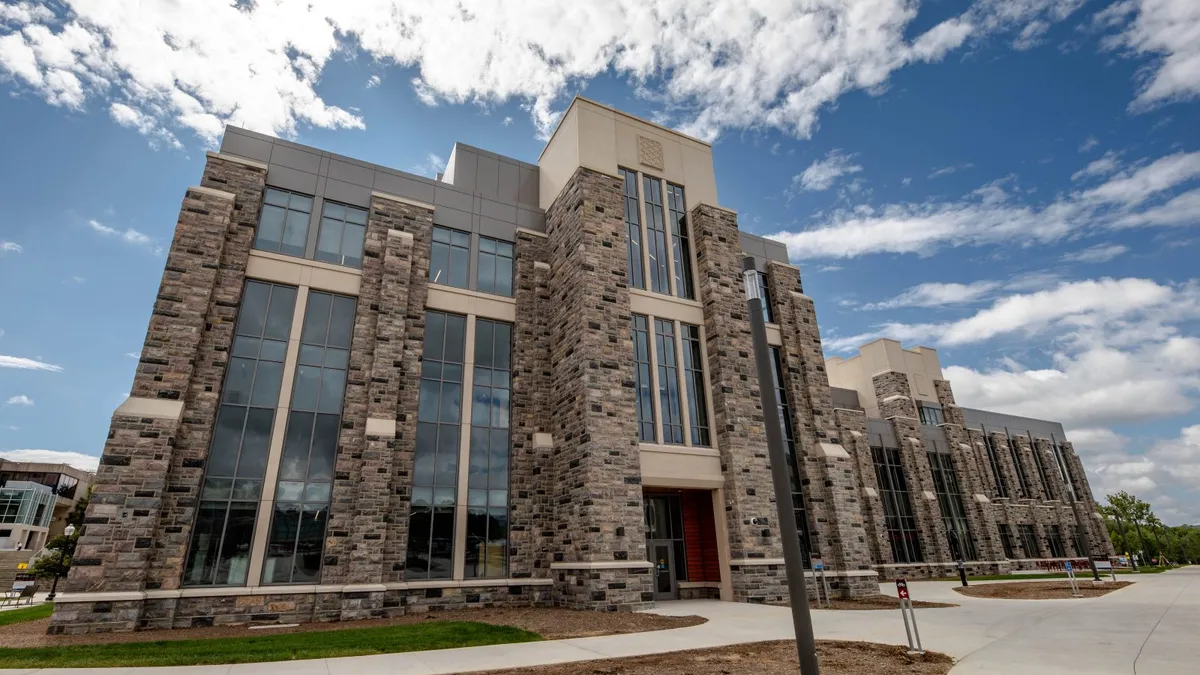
(432, 165)
(144, 123)
(1167, 473)
(947, 170)
(76, 459)
(374, 81)
(822, 173)
(507, 121)
(10, 247)
(829, 268)
(27, 364)
(1088, 144)
(1100, 167)
(992, 214)
(19, 399)
(936, 294)
(716, 64)
(133, 355)
(1097, 254)
(1169, 31)
(1129, 309)
(907, 181)
(128, 235)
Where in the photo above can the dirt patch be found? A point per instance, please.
(762, 658)
(877, 602)
(552, 624)
(1039, 590)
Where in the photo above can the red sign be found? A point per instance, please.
(902, 589)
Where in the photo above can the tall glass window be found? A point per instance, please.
(789, 438)
(1055, 541)
(633, 230)
(656, 230)
(495, 267)
(950, 501)
(283, 223)
(1029, 540)
(340, 240)
(1001, 482)
(641, 373)
(1022, 479)
(1077, 541)
(930, 415)
(487, 482)
(1062, 469)
(1006, 540)
(435, 458)
(297, 541)
(668, 382)
(237, 458)
(897, 509)
(677, 209)
(449, 257)
(693, 372)
(1041, 469)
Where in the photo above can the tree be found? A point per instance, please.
(57, 560)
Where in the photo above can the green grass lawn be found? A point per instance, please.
(34, 613)
(286, 647)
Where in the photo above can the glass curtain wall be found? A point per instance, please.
(487, 481)
(897, 509)
(219, 553)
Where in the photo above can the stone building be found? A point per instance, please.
(364, 393)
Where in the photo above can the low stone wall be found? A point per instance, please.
(936, 570)
(606, 589)
(193, 612)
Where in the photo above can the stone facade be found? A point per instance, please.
(576, 521)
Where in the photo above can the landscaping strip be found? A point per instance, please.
(11, 616)
(1040, 590)
(761, 658)
(288, 647)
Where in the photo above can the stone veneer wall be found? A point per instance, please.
(600, 541)
(830, 479)
(852, 425)
(532, 484)
(754, 549)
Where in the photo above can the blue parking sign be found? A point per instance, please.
(1068, 564)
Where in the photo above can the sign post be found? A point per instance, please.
(906, 611)
(1071, 579)
(1106, 566)
(818, 565)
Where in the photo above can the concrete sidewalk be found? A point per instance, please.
(1100, 635)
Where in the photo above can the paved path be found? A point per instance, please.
(1149, 628)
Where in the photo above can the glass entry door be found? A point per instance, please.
(662, 554)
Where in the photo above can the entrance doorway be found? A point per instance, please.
(664, 544)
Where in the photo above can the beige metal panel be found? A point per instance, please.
(559, 159)
(463, 301)
(666, 307)
(282, 269)
(774, 337)
(139, 406)
(680, 467)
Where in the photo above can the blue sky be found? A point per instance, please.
(1014, 183)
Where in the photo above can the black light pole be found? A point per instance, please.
(1087, 545)
(62, 555)
(792, 557)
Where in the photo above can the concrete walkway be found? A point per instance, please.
(1151, 624)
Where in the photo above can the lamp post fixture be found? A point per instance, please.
(62, 555)
(792, 557)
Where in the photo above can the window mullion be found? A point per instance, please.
(685, 413)
(266, 502)
(464, 450)
(647, 270)
(655, 403)
(669, 239)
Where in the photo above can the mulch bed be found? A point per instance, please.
(762, 658)
(552, 624)
(876, 602)
(1039, 590)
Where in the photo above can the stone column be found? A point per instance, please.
(980, 517)
(852, 426)
(951, 413)
(755, 553)
(1033, 477)
(1004, 459)
(601, 546)
(1085, 504)
(830, 478)
(139, 518)
(531, 468)
(897, 406)
(1058, 490)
